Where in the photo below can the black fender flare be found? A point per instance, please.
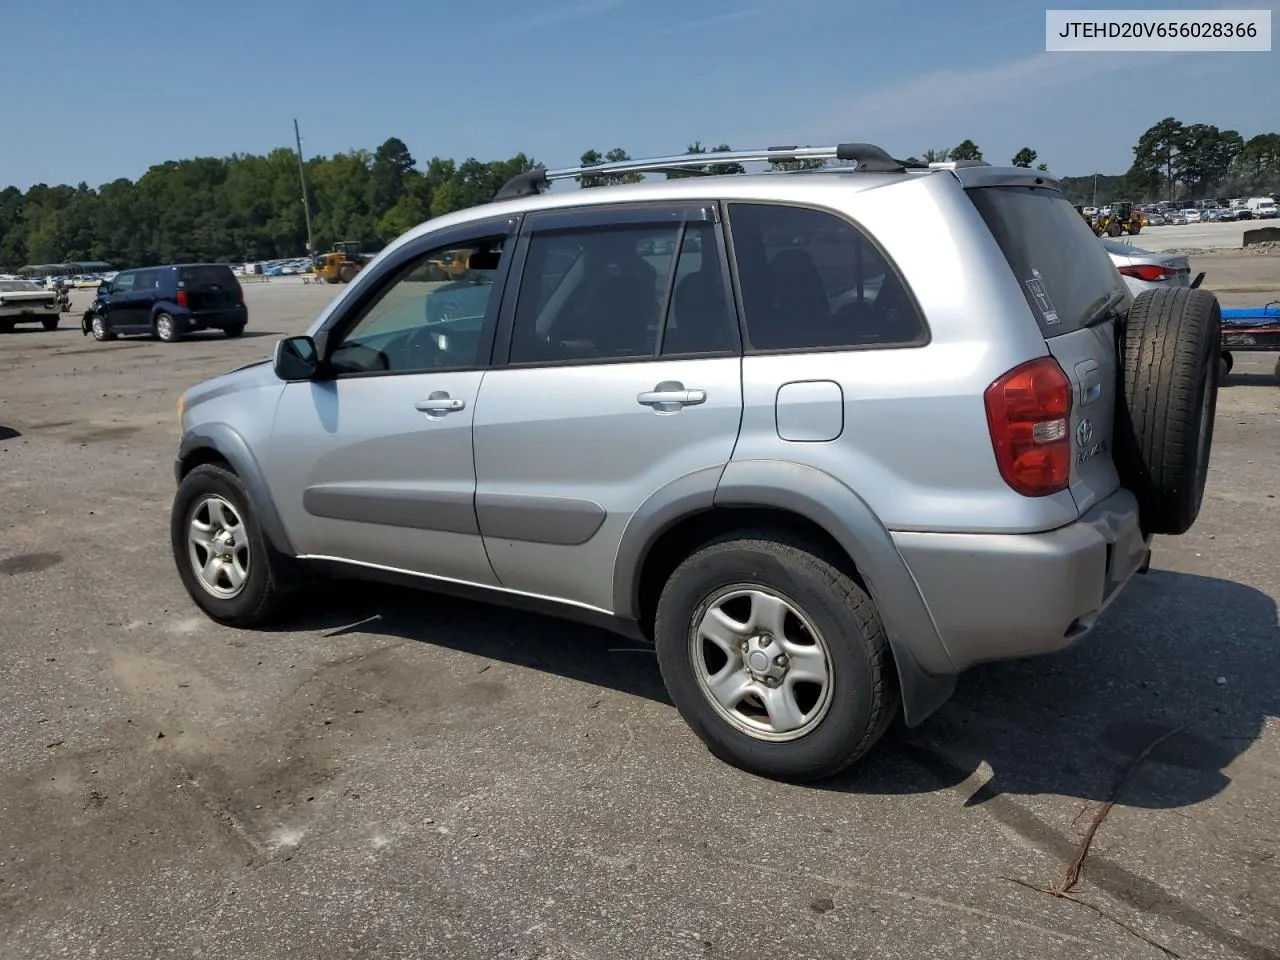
(86, 323)
(227, 442)
(926, 671)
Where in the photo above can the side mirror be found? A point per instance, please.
(104, 288)
(297, 359)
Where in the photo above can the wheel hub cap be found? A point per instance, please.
(761, 663)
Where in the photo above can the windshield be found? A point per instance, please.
(17, 286)
(1065, 274)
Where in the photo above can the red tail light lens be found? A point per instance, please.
(1029, 414)
(182, 299)
(1148, 272)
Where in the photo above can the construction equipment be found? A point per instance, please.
(342, 263)
(1119, 218)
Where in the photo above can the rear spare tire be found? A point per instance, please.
(1169, 353)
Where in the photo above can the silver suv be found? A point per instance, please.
(827, 437)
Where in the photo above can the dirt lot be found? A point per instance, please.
(393, 774)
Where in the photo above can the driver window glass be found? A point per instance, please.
(123, 283)
(429, 317)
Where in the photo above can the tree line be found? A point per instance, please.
(249, 207)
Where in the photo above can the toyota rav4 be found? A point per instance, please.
(826, 457)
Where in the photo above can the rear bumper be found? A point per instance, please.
(213, 319)
(1007, 596)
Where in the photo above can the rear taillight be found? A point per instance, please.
(182, 299)
(239, 294)
(1148, 272)
(1029, 414)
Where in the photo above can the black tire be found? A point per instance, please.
(261, 594)
(863, 698)
(1114, 229)
(348, 272)
(50, 324)
(1225, 364)
(6, 326)
(233, 331)
(165, 328)
(106, 332)
(1135, 229)
(1170, 353)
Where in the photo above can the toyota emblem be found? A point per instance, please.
(1084, 433)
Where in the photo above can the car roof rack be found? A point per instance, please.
(868, 157)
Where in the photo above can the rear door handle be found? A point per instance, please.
(678, 397)
(445, 404)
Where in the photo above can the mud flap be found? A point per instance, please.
(86, 323)
(1198, 280)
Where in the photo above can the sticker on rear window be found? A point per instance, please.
(1047, 309)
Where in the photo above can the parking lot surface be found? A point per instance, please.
(391, 774)
(1199, 236)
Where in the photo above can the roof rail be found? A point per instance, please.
(869, 159)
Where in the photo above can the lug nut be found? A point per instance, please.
(766, 640)
(780, 660)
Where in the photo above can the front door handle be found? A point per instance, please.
(671, 395)
(440, 402)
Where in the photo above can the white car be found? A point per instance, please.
(1147, 270)
(1191, 215)
(22, 301)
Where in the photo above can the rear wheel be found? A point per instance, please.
(775, 657)
(6, 326)
(50, 324)
(348, 272)
(234, 331)
(1171, 364)
(166, 328)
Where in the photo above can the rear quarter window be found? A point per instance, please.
(204, 278)
(1063, 270)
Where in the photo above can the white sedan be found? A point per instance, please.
(1148, 270)
(22, 301)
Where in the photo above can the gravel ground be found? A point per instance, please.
(392, 774)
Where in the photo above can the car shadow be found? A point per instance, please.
(9, 433)
(1188, 656)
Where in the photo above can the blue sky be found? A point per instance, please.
(107, 89)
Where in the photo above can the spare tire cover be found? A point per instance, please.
(1169, 350)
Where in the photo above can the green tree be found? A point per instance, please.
(1159, 151)
(391, 164)
(966, 150)
(936, 156)
(616, 155)
(1024, 157)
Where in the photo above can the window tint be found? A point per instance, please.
(701, 319)
(811, 279)
(597, 293)
(1063, 270)
(602, 293)
(123, 283)
(430, 316)
(145, 280)
(207, 277)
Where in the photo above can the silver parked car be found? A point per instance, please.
(1148, 270)
(823, 459)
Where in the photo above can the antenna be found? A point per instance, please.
(306, 200)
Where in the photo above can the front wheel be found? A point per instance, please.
(219, 548)
(100, 329)
(775, 656)
(50, 324)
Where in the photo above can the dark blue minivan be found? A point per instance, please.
(168, 302)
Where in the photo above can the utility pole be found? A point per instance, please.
(306, 201)
(1095, 187)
